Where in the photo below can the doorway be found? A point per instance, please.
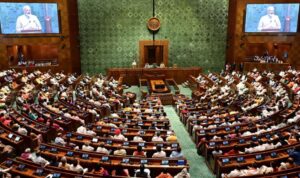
(153, 52)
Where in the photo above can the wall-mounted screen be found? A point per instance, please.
(24, 18)
(272, 18)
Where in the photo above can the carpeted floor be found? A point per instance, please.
(198, 168)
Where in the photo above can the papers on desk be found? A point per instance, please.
(95, 140)
(165, 162)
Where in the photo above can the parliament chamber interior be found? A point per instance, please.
(149, 88)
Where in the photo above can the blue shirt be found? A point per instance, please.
(176, 154)
(296, 156)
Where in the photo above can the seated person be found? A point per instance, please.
(77, 167)
(26, 154)
(233, 151)
(87, 147)
(171, 138)
(217, 151)
(139, 152)
(157, 138)
(286, 165)
(69, 144)
(120, 152)
(162, 65)
(6, 149)
(83, 130)
(119, 136)
(138, 138)
(21, 130)
(120, 171)
(101, 149)
(142, 172)
(38, 159)
(4, 172)
(164, 174)
(177, 153)
(293, 139)
(160, 153)
(295, 154)
(123, 124)
(59, 140)
(101, 171)
(183, 174)
(54, 161)
(7, 122)
(147, 65)
(63, 164)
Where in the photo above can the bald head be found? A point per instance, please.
(27, 10)
(270, 10)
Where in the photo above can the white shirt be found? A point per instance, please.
(22, 131)
(120, 137)
(157, 139)
(102, 150)
(81, 130)
(78, 168)
(217, 152)
(90, 132)
(138, 139)
(120, 152)
(87, 148)
(269, 23)
(59, 140)
(66, 166)
(160, 154)
(28, 22)
(40, 160)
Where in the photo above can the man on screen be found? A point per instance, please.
(269, 22)
(27, 22)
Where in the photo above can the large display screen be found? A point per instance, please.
(24, 18)
(272, 17)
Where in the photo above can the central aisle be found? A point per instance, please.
(198, 168)
(197, 164)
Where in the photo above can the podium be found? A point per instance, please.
(159, 86)
(270, 30)
(31, 31)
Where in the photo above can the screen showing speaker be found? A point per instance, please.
(272, 17)
(24, 18)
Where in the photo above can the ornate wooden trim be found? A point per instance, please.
(143, 43)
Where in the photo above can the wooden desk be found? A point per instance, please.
(221, 131)
(132, 75)
(250, 158)
(158, 86)
(249, 66)
(154, 164)
(64, 122)
(129, 133)
(115, 143)
(30, 170)
(18, 145)
(37, 128)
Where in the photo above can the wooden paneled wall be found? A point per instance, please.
(241, 45)
(67, 42)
